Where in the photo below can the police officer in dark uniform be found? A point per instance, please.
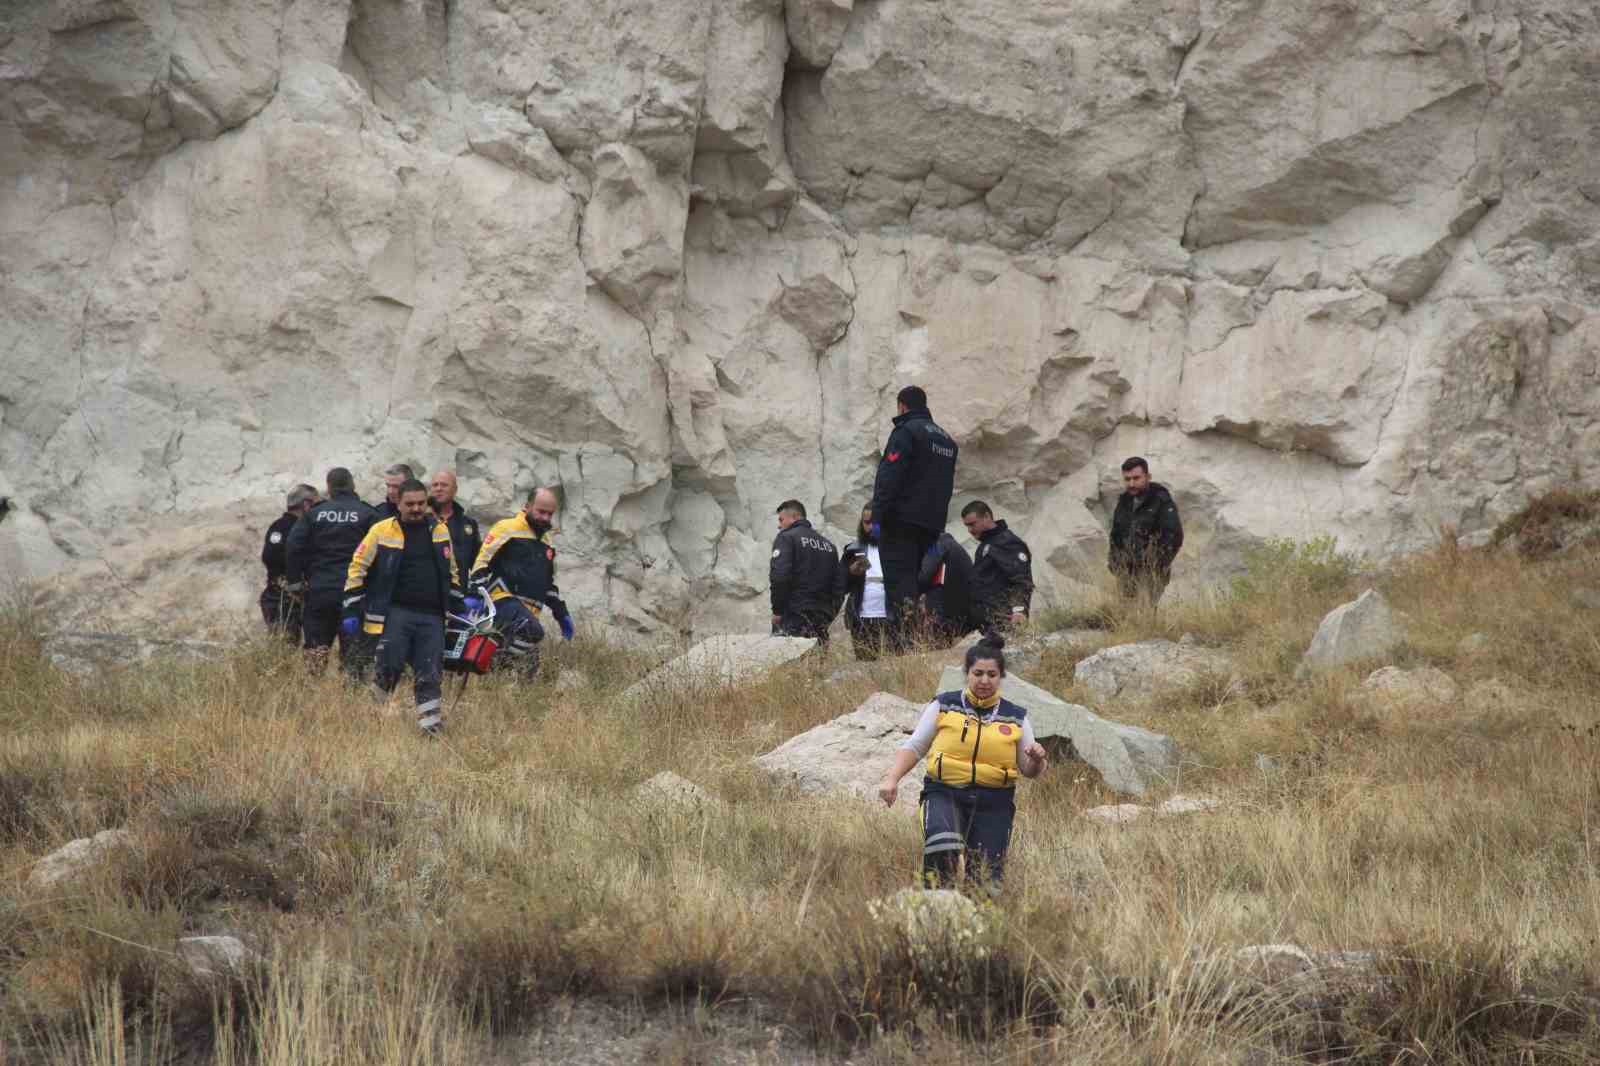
(1146, 534)
(910, 502)
(320, 548)
(465, 537)
(393, 478)
(1002, 568)
(280, 608)
(808, 584)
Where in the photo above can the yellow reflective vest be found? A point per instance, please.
(971, 748)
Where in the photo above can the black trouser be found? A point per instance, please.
(523, 634)
(1143, 583)
(282, 612)
(320, 623)
(799, 624)
(900, 552)
(413, 638)
(868, 638)
(973, 822)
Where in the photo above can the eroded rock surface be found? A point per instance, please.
(1365, 628)
(717, 663)
(851, 752)
(1333, 268)
(1149, 667)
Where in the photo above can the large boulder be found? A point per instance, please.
(1144, 669)
(1363, 629)
(718, 663)
(851, 752)
(1129, 759)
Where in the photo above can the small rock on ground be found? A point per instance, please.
(209, 956)
(1425, 684)
(76, 856)
(1143, 669)
(1364, 628)
(668, 789)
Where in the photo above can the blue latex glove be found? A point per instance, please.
(349, 626)
(567, 628)
(473, 604)
(874, 531)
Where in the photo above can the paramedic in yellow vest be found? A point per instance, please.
(976, 746)
(402, 580)
(517, 567)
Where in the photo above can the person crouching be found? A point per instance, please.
(977, 745)
(401, 581)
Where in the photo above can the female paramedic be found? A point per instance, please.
(976, 744)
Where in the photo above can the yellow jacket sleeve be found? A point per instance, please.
(491, 546)
(355, 578)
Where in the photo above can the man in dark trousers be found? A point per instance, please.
(1146, 534)
(517, 567)
(465, 536)
(1002, 568)
(949, 585)
(910, 502)
(281, 607)
(401, 581)
(318, 557)
(808, 585)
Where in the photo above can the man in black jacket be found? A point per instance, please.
(280, 608)
(393, 478)
(808, 585)
(910, 501)
(949, 584)
(317, 559)
(465, 536)
(1002, 568)
(1146, 534)
(401, 581)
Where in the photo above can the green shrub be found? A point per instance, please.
(1284, 566)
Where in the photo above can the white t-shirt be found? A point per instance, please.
(921, 738)
(874, 600)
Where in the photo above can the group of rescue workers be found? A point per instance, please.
(382, 580)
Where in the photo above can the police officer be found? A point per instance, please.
(517, 567)
(1146, 534)
(910, 501)
(1002, 568)
(464, 536)
(948, 583)
(808, 585)
(393, 478)
(400, 582)
(280, 607)
(318, 555)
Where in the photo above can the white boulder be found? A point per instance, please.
(851, 752)
(1363, 629)
(1144, 669)
(75, 857)
(1425, 684)
(719, 662)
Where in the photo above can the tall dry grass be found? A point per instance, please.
(414, 902)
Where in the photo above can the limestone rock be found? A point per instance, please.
(210, 956)
(1182, 804)
(669, 790)
(719, 662)
(1129, 759)
(1123, 813)
(816, 29)
(1365, 628)
(1116, 813)
(1144, 669)
(1426, 684)
(76, 856)
(851, 752)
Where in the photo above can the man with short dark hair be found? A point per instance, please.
(910, 502)
(1146, 534)
(281, 606)
(517, 567)
(318, 553)
(464, 535)
(1002, 568)
(393, 478)
(401, 581)
(807, 583)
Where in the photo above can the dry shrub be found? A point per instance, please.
(1546, 524)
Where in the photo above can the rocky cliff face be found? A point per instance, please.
(1333, 266)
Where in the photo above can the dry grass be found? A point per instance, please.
(443, 903)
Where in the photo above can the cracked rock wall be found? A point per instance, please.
(1334, 267)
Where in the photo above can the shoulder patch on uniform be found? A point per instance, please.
(776, 552)
(1023, 556)
(275, 537)
(470, 528)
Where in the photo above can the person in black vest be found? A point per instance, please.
(1002, 568)
(808, 586)
(465, 536)
(401, 581)
(317, 558)
(910, 502)
(393, 478)
(281, 608)
(1146, 535)
(948, 583)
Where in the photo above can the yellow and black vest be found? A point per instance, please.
(974, 747)
(516, 561)
(369, 582)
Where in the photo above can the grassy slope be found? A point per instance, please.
(414, 901)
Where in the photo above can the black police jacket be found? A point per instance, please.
(276, 544)
(946, 576)
(322, 542)
(1002, 569)
(916, 475)
(805, 574)
(466, 536)
(1146, 532)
